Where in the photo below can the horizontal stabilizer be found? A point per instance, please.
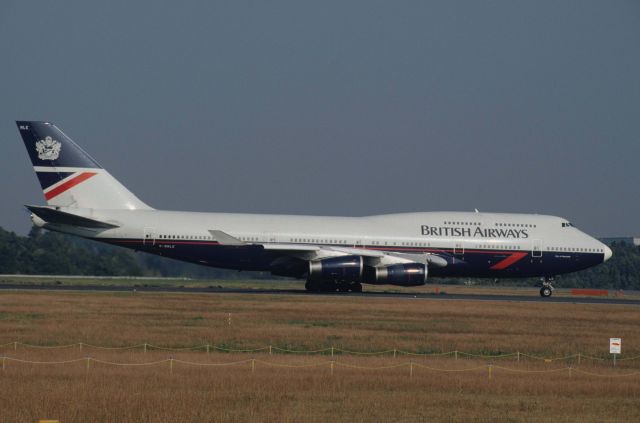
(63, 218)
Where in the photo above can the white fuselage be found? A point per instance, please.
(461, 235)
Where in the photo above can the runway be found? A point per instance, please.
(301, 292)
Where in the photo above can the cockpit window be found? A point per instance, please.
(567, 224)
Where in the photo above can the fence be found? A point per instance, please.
(331, 364)
(332, 351)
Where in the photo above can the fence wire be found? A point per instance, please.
(323, 351)
(490, 368)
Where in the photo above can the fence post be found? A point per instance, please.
(269, 349)
(455, 353)
(411, 369)
(518, 356)
(80, 346)
(394, 353)
(332, 367)
(578, 358)
(207, 348)
(145, 347)
(490, 368)
(332, 351)
(170, 365)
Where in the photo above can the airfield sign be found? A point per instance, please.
(615, 345)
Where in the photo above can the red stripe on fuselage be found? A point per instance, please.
(68, 185)
(515, 257)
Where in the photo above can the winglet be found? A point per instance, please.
(225, 239)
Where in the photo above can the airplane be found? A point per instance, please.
(333, 254)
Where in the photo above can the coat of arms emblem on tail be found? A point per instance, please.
(48, 149)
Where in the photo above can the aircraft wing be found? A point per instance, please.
(319, 252)
(372, 257)
(224, 238)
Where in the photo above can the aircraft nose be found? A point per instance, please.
(607, 253)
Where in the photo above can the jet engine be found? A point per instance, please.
(336, 269)
(406, 274)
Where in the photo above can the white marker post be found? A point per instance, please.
(615, 347)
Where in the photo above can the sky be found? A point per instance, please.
(335, 107)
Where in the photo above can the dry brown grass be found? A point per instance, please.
(235, 393)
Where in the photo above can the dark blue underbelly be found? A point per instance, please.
(472, 263)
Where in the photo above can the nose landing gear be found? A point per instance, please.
(547, 289)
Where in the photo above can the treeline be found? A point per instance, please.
(622, 271)
(49, 253)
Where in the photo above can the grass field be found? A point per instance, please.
(272, 392)
(433, 287)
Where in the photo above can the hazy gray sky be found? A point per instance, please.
(339, 108)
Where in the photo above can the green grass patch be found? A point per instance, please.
(8, 316)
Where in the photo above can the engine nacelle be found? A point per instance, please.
(337, 269)
(409, 274)
(288, 266)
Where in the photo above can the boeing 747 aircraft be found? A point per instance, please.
(331, 253)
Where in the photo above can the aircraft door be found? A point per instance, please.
(536, 249)
(149, 237)
(458, 249)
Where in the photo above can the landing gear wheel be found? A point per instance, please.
(344, 287)
(545, 291)
(547, 288)
(351, 287)
(320, 286)
(332, 286)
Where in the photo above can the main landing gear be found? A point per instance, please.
(333, 286)
(547, 288)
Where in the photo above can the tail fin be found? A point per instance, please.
(70, 177)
